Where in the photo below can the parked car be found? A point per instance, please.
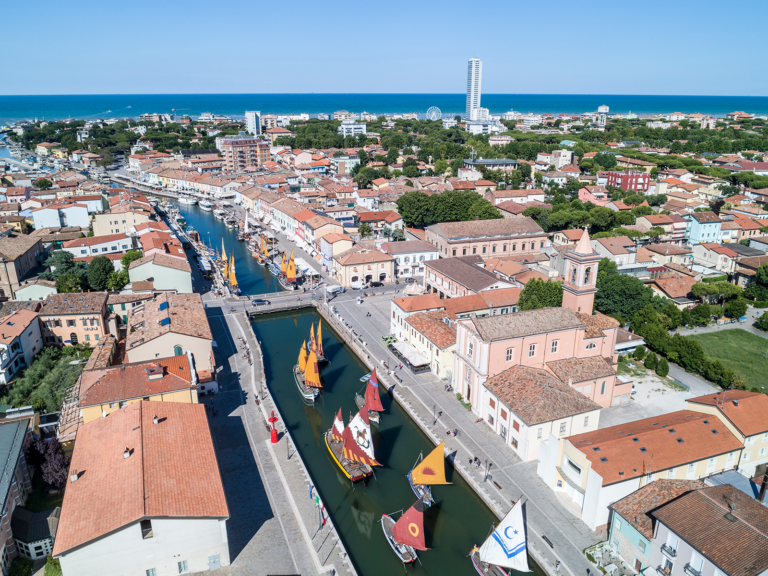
(410, 280)
(376, 284)
(260, 302)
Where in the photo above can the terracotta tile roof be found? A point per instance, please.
(419, 303)
(385, 215)
(519, 207)
(509, 268)
(667, 249)
(596, 323)
(432, 327)
(171, 472)
(164, 261)
(536, 396)
(360, 254)
(573, 235)
(464, 305)
(544, 320)
(725, 525)
(15, 245)
(675, 285)
(620, 457)
(501, 297)
(706, 217)
(577, 370)
(13, 325)
(82, 303)
(333, 238)
(517, 193)
(407, 247)
(178, 313)
(125, 298)
(637, 507)
(528, 275)
(94, 240)
(745, 410)
(487, 228)
(463, 270)
(617, 244)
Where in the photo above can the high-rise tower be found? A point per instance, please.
(474, 83)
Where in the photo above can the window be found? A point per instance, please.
(474, 250)
(516, 425)
(538, 433)
(587, 273)
(470, 349)
(586, 421)
(618, 523)
(85, 322)
(83, 251)
(492, 402)
(183, 567)
(573, 466)
(112, 404)
(591, 346)
(745, 456)
(177, 351)
(602, 389)
(483, 249)
(749, 441)
(588, 389)
(762, 452)
(71, 323)
(562, 428)
(510, 353)
(493, 249)
(696, 563)
(503, 414)
(464, 252)
(671, 473)
(641, 546)
(573, 275)
(504, 248)
(146, 527)
(151, 572)
(454, 252)
(514, 247)
(531, 350)
(692, 468)
(553, 349)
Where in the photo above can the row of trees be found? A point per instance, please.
(419, 209)
(98, 275)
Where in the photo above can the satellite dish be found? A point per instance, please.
(434, 113)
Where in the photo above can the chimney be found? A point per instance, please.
(155, 372)
(155, 420)
(74, 476)
(126, 453)
(735, 402)
(763, 488)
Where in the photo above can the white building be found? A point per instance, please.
(479, 114)
(100, 245)
(511, 115)
(352, 128)
(20, 340)
(253, 122)
(61, 214)
(474, 84)
(410, 256)
(168, 515)
(344, 115)
(449, 123)
(167, 273)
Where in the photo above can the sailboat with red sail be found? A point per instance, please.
(407, 534)
(352, 446)
(371, 399)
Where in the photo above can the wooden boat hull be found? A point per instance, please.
(366, 377)
(308, 393)
(355, 471)
(422, 491)
(406, 554)
(485, 569)
(373, 416)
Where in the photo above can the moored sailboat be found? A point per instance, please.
(506, 547)
(288, 279)
(352, 447)
(232, 277)
(407, 534)
(307, 375)
(371, 399)
(321, 357)
(430, 471)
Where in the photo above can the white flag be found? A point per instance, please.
(506, 546)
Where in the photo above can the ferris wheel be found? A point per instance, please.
(434, 113)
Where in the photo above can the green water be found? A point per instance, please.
(458, 520)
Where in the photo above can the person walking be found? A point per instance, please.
(557, 567)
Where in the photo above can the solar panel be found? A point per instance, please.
(165, 321)
(163, 305)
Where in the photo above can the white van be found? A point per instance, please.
(357, 285)
(331, 290)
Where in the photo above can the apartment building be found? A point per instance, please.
(487, 237)
(77, 318)
(20, 340)
(14, 436)
(20, 254)
(242, 151)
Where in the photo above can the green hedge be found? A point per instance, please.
(760, 304)
(715, 279)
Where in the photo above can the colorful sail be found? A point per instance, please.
(224, 254)
(312, 344)
(431, 470)
(283, 268)
(319, 341)
(232, 277)
(372, 398)
(409, 529)
(246, 223)
(303, 358)
(506, 546)
(358, 439)
(291, 273)
(264, 248)
(312, 374)
(338, 428)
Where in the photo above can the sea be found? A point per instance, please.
(15, 108)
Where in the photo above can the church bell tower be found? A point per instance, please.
(580, 276)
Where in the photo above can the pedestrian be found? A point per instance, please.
(470, 461)
(557, 567)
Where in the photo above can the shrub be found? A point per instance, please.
(735, 308)
(52, 566)
(639, 352)
(651, 361)
(762, 322)
(760, 304)
(20, 567)
(662, 369)
(715, 279)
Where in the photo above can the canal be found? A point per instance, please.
(252, 278)
(457, 521)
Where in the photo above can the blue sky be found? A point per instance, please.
(242, 46)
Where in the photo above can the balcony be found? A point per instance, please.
(665, 570)
(669, 551)
(691, 570)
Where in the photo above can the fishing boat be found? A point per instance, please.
(366, 377)
(230, 223)
(219, 214)
(191, 200)
(205, 205)
(407, 534)
(231, 276)
(371, 398)
(430, 471)
(272, 267)
(288, 280)
(352, 446)
(307, 375)
(505, 548)
(321, 357)
(181, 221)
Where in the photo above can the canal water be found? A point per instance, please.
(252, 278)
(457, 521)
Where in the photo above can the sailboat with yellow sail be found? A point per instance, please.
(232, 277)
(287, 279)
(321, 357)
(429, 472)
(261, 254)
(307, 375)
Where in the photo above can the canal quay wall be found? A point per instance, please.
(539, 549)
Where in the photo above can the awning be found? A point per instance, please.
(410, 354)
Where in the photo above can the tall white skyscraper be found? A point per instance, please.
(253, 122)
(474, 84)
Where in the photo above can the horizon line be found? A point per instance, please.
(460, 94)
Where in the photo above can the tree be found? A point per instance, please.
(601, 218)
(762, 322)
(107, 161)
(129, 257)
(541, 294)
(662, 369)
(639, 352)
(52, 566)
(621, 294)
(398, 235)
(651, 361)
(607, 161)
(43, 184)
(606, 267)
(99, 271)
(68, 283)
(365, 230)
(525, 169)
(735, 308)
(441, 167)
(61, 263)
(363, 156)
(55, 466)
(21, 566)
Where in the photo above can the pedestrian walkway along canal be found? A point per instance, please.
(252, 278)
(457, 521)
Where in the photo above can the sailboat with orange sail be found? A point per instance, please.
(307, 375)
(371, 398)
(352, 446)
(407, 534)
(232, 277)
(428, 472)
(287, 279)
(321, 357)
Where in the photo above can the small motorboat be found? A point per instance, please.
(205, 205)
(365, 378)
(219, 214)
(191, 200)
